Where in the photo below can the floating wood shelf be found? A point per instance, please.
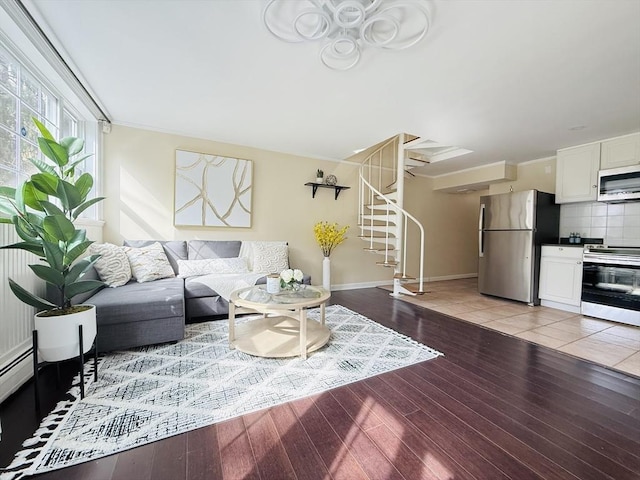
(337, 188)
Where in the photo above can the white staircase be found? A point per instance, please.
(384, 223)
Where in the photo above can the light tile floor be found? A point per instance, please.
(608, 343)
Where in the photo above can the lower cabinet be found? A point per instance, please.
(561, 277)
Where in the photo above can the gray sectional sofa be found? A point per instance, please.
(138, 314)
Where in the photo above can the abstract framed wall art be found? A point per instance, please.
(212, 191)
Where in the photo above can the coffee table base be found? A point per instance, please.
(278, 337)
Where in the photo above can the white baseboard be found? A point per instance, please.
(560, 306)
(379, 283)
(18, 371)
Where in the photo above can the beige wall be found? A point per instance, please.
(451, 229)
(537, 174)
(139, 182)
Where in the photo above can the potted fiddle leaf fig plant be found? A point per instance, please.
(43, 210)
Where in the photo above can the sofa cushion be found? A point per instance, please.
(192, 268)
(174, 249)
(139, 301)
(149, 263)
(195, 289)
(203, 249)
(270, 257)
(113, 265)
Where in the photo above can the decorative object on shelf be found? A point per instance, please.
(331, 180)
(42, 210)
(348, 26)
(328, 236)
(291, 279)
(212, 191)
(319, 176)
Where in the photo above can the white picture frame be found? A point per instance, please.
(212, 190)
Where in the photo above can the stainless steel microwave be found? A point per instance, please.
(619, 184)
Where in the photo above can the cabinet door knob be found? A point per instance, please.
(579, 262)
(594, 186)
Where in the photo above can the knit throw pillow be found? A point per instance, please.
(192, 268)
(149, 263)
(270, 257)
(113, 265)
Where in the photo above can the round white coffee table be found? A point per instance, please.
(283, 330)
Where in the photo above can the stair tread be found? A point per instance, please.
(403, 277)
(387, 264)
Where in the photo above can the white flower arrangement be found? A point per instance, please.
(290, 278)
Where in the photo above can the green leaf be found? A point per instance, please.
(85, 205)
(19, 198)
(8, 192)
(77, 251)
(32, 196)
(5, 220)
(53, 255)
(78, 161)
(54, 151)
(51, 208)
(29, 298)
(32, 247)
(7, 207)
(79, 268)
(48, 274)
(59, 227)
(84, 184)
(69, 195)
(73, 145)
(45, 182)
(81, 287)
(25, 230)
(43, 130)
(43, 166)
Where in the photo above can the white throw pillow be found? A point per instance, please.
(149, 263)
(192, 268)
(113, 265)
(270, 257)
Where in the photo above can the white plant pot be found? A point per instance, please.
(58, 336)
(319, 180)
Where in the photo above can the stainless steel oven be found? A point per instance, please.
(611, 283)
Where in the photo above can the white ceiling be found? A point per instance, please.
(505, 79)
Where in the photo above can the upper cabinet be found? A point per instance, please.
(577, 174)
(620, 152)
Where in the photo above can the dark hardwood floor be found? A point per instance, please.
(494, 407)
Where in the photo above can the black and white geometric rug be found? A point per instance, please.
(147, 394)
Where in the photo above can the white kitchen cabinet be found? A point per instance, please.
(620, 152)
(577, 174)
(561, 277)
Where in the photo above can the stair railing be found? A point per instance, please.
(367, 191)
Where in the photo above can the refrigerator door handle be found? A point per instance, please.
(480, 228)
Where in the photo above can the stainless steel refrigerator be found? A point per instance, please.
(512, 228)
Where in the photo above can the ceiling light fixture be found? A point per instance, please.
(347, 26)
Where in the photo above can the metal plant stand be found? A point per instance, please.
(36, 365)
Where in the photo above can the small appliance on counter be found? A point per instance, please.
(611, 283)
(512, 228)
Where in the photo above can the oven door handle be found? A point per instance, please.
(610, 260)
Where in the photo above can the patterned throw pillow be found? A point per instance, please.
(113, 265)
(270, 257)
(149, 263)
(192, 268)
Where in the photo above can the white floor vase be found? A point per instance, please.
(326, 274)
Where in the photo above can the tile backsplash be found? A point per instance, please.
(617, 223)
